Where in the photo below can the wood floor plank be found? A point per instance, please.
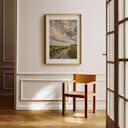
(50, 119)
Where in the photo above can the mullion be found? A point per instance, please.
(126, 19)
(110, 62)
(125, 99)
(125, 60)
(107, 38)
(107, 27)
(123, 20)
(110, 90)
(108, 2)
(116, 116)
(110, 32)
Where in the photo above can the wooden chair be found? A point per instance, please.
(87, 80)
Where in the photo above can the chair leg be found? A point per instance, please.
(86, 102)
(74, 99)
(63, 99)
(94, 98)
(74, 104)
(94, 104)
(63, 105)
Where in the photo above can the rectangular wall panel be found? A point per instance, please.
(36, 90)
(7, 46)
(45, 92)
(8, 80)
(8, 30)
(1, 30)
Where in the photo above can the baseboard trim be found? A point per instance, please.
(58, 106)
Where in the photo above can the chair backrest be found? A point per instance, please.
(84, 78)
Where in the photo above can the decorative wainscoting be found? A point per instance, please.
(7, 46)
(44, 92)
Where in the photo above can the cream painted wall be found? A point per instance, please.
(31, 70)
(31, 35)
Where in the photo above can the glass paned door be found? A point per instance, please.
(117, 63)
(110, 63)
(123, 63)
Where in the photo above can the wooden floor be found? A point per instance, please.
(50, 119)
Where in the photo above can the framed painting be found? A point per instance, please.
(63, 38)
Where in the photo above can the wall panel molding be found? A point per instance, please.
(3, 55)
(4, 59)
(36, 84)
(6, 67)
(5, 73)
(7, 46)
(46, 81)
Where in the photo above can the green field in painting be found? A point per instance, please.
(56, 49)
(73, 51)
(64, 52)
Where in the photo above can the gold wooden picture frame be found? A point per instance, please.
(63, 38)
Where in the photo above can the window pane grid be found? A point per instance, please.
(121, 112)
(121, 79)
(111, 105)
(110, 47)
(108, 18)
(126, 39)
(126, 114)
(126, 80)
(108, 103)
(110, 77)
(121, 41)
(126, 8)
(121, 9)
(111, 15)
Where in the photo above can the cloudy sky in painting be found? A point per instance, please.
(63, 31)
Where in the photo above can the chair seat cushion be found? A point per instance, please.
(78, 93)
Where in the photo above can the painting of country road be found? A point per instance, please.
(63, 39)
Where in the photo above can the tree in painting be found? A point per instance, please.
(63, 39)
